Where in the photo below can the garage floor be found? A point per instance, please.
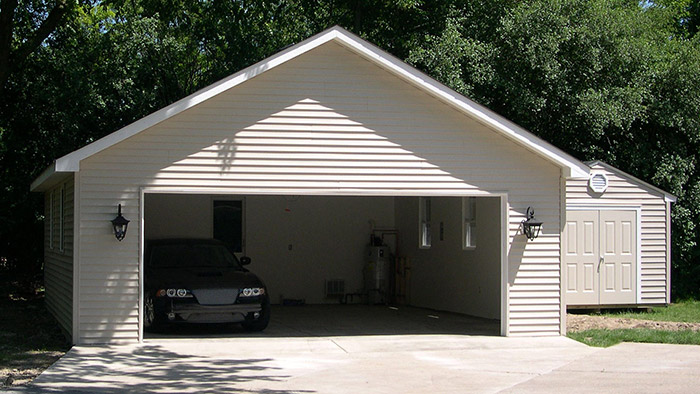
(346, 320)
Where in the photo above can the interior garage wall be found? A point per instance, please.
(178, 216)
(295, 242)
(446, 277)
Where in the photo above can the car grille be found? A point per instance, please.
(216, 296)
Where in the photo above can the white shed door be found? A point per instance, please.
(600, 257)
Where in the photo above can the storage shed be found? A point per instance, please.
(617, 240)
(302, 157)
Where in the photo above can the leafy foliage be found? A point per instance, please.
(602, 79)
(612, 81)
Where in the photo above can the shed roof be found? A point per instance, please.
(571, 166)
(666, 195)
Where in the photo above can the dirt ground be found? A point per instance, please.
(30, 340)
(24, 369)
(578, 322)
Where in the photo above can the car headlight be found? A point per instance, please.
(174, 293)
(251, 292)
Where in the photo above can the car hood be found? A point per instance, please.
(200, 278)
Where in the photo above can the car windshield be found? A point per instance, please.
(193, 256)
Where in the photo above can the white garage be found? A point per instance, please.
(316, 148)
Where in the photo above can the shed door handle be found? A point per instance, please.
(602, 259)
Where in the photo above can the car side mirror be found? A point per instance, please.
(245, 260)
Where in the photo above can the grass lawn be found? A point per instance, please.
(30, 339)
(684, 312)
(605, 338)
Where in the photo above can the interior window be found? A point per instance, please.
(228, 223)
(468, 222)
(424, 222)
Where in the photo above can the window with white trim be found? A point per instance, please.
(52, 210)
(62, 219)
(468, 223)
(424, 214)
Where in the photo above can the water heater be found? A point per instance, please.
(377, 273)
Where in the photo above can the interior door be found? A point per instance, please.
(600, 257)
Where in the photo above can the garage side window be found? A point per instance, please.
(468, 223)
(424, 222)
(228, 223)
(62, 219)
(52, 201)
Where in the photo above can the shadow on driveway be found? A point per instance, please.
(150, 369)
(306, 349)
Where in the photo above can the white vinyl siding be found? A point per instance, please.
(654, 232)
(58, 261)
(326, 123)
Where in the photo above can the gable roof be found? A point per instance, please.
(666, 195)
(571, 166)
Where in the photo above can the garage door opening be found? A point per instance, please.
(444, 256)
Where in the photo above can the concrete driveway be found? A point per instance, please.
(427, 357)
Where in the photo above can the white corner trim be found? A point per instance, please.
(142, 210)
(76, 259)
(505, 285)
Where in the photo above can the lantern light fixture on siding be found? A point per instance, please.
(531, 226)
(120, 223)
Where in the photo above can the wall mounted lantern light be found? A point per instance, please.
(531, 226)
(120, 224)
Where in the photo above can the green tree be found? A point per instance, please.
(601, 79)
(24, 25)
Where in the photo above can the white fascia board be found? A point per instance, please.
(573, 166)
(43, 177)
(48, 179)
(668, 197)
(71, 161)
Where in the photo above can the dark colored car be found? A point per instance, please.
(201, 281)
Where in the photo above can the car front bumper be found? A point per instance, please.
(196, 313)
